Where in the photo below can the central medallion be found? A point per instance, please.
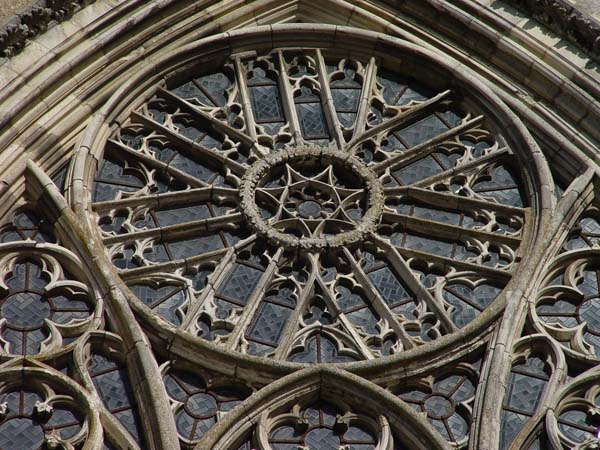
(311, 197)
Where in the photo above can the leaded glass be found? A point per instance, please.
(36, 421)
(111, 381)
(527, 384)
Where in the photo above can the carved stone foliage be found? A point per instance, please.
(34, 21)
(309, 207)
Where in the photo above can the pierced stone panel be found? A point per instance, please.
(43, 308)
(322, 425)
(568, 308)
(198, 400)
(311, 198)
(29, 421)
(39, 411)
(313, 205)
(446, 398)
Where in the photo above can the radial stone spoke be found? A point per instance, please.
(449, 263)
(378, 302)
(179, 230)
(446, 231)
(462, 168)
(254, 301)
(411, 115)
(365, 98)
(180, 140)
(226, 263)
(451, 201)
(407, 275)
(171, 266)
(288, 100)
(425, 148)
(327, 100)
(161, 167)
(347, 325)
(197, 112)
(247, 107)
(203, 194)
(304, 296)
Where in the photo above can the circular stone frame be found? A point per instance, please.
(433, 66)
(261, 168)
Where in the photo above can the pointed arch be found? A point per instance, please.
(395, 419)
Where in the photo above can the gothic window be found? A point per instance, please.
(292, 236)
(285, 204)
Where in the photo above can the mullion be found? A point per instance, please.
(443, 119)
(184, 387)
(230, 300)
(260, 341)
(437, 160)
(517, 411)
(586, 237)
(576, 425)
(23, 341)
(423, 149)
(60, 426)
(463, 298)
(164, 298)
(354, 309)
(165, 244)
(117, 183)
(378, 266)
(198, 149)
(498, 188)
(21, 403)
(455, 388)
(557, 314)
(401, 302)
(318, 340)
(399, 95)
(121, 409)
(448, 429)
(346, 110)
(104, 371)
(205, 92)
(529, 374)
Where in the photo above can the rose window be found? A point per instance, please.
(314, 205)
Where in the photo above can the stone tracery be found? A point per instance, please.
(400, 179)
(309, 205)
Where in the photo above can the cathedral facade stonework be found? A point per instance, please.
(277, 225)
